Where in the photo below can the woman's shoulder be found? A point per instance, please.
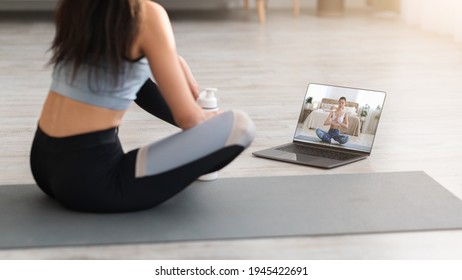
(153, 19)
(152, 9)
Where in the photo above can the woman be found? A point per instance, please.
(104, 53)
(336, 119)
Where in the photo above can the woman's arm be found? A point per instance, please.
(328, 119)
(157, 43)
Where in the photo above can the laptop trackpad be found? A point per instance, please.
(300, 157)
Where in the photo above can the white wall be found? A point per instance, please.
(444, 16)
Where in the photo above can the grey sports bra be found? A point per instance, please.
(98, 88)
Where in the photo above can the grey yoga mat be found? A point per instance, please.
(241, 208)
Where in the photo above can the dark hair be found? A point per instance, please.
(95, 32)
(343, 97)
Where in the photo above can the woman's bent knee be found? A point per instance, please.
(243, 130)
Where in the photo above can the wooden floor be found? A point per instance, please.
(264, 70)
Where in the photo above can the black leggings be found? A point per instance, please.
(91, 173)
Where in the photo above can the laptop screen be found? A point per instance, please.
(340, 117)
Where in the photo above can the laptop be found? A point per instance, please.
(316, 142)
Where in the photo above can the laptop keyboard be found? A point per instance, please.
(311, 151)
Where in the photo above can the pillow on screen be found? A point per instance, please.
(327, 106)
(350, 110)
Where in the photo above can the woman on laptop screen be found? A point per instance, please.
(336, 119)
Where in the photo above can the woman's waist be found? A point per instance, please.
(77, 142)
(64, 117)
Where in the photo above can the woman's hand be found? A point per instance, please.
(328, 119)
(201, 116)
(211, 114)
